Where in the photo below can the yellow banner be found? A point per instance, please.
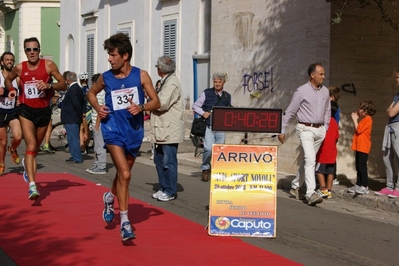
(243, 191)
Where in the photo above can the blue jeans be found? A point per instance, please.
(211, 137)
(72, 131)
(165, 159)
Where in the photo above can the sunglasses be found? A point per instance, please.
(36, 49)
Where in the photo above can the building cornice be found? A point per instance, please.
(90, 15)
(10, 5)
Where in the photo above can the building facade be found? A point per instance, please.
(267, 46)
(24, 19)
(176, 28)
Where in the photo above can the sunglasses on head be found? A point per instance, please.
(36, 49)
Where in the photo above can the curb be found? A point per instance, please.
(339, 191)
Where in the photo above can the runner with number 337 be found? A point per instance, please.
(123, 97)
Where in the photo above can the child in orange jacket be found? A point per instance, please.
(361, 144)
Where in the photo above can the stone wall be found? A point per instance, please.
(364, 53)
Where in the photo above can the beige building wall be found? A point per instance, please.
(266, 48)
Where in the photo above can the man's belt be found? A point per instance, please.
(311, 124)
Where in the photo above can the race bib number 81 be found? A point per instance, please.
(121, 97)
(31, 92)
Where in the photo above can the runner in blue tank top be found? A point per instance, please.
(122, 121)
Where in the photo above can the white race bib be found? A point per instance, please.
(120, 98)
(31, 92)
(6, 103)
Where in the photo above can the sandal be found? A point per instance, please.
(14, 156)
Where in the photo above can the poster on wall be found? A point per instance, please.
(243, 191)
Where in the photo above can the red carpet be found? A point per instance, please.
(64, 227)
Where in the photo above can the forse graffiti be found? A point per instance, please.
(258, 81)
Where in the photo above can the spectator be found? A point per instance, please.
(84, 133)
(390, 146)
(361, 144)
(157, 86)
(335, 95)
(72, 116)
(167, 124)
(210, 97)
(311, 105)
(100, 162)
(327, 156)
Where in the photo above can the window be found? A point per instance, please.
(128, 29)
(169, 38)
(125, 31)
(90, 56)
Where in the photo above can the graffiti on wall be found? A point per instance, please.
(349, 88)
(258, 82)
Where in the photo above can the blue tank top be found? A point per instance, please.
(120, 123)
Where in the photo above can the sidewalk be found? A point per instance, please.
(339, 191)
(186, 157)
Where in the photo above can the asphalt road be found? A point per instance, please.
(334, 233)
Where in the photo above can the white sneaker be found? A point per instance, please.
(362, 190)
(166, 197)
(353, 189)
(91, 169)
(157, 194)
(335, 182)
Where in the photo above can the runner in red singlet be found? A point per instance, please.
(36, 90)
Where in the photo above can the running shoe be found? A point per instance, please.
(322, 193)
(352, 189)
(92, 168)
(297, 193)
(14, 156)
(166, 197)
(157, 194)
(108, 212)
(98, 171)
(47, 148)
(25, 174)
(127, 232)
(384, 192)
(314, 199)
(33, 193)
(394, 194)
(2, 169)
(362, 190)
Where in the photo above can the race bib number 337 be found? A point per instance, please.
(121, 97)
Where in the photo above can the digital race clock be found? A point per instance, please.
(246, 119)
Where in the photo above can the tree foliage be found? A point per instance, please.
(343, 4)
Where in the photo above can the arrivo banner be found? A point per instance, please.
(243, 191)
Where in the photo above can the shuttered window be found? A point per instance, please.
(90, 56)
(125, 31)
(169, 38)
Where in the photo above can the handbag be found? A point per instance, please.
(198, 127)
